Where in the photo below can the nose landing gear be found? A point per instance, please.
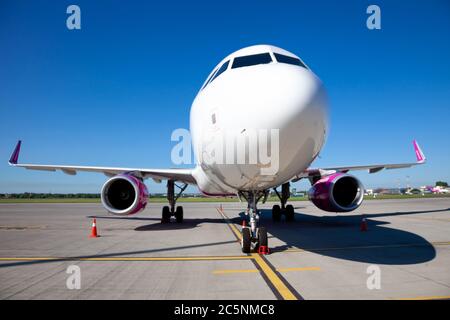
(253, 236)
(173, 210)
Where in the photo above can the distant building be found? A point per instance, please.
(298, 194)
(413, 191)
(387, 191)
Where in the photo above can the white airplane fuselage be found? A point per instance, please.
(287, 98)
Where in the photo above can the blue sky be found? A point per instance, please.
(112, 93)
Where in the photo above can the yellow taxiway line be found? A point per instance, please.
(275, 280)
(427, 298)
(230, 271)
(298, 269)
(269, 273)
(233, 228)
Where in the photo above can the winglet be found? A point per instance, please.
(15, 155)
(419, 154)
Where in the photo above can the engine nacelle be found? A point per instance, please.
(338, 192)
(124, 194)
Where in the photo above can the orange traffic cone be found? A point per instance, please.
(94, 229)
(363, 225)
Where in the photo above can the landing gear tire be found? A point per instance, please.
(276, 213)
(289, 213)
(262, 237)
(172, 197)
(165, 215)
(179, 214)
(246, 240)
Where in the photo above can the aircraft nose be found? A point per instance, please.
(296, 107)
(297, 95)
(276, 96)
(271, 96)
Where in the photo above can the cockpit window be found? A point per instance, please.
(246, 61)
(289, 60)
(220, 71)
(216, 73)
(209, 79)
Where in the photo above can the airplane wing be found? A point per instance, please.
(319, 172)
(183, 175)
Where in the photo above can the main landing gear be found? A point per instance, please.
(253, 237)
(172, 210)
(287, 210)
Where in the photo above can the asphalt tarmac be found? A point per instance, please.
(404, 254)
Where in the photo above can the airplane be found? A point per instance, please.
(261, 87)
(437, 189)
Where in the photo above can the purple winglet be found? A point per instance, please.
(419, 154)
(15, 155)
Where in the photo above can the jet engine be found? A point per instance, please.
(338, 192)
(124, 194)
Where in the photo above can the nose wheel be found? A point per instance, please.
(262, 237)
(246, 241)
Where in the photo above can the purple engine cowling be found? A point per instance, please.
(124, 194)
(338, 192)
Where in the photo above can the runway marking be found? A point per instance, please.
(298, 269)
(200, 258)
(275, 279)
(235, 271)
(233, 228)
(443, 243)
(427, 298)
(365, 247)
(27, 258)
(279, 286)
(231, 271)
